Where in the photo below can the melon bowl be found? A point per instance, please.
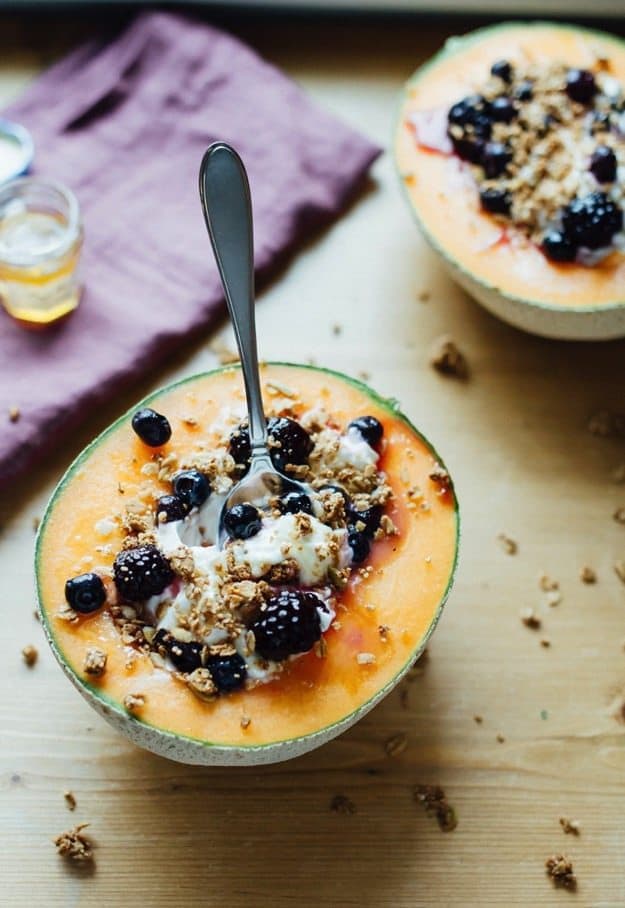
(517, 283)
(315, 699)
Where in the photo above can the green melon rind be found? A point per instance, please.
(168, 741)
(456, 45)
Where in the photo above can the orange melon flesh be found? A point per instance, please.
(449, 209)
(410, 577)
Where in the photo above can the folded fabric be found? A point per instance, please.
(125, 125)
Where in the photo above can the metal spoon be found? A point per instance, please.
(227, 207)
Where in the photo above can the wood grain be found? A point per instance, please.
(515, 439)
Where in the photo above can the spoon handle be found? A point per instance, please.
(227, 207)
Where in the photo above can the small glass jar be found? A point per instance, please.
(40, 243)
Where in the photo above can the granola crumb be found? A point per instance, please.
(337, 329)
(530, 619)
(95, 662)
(424, 296)
(245, 721)
(560, 869)
(619, 515)
(14, 413)
(30, 654)
(510, 546)
(441, 478)
(134, 702)
(570, 827)
(383, 631)
(547, 583)
(545, 642)
(435, 802)
(342, 804)
(478, 719)
(70, 800)
(396, 745)
(365, 658)
(447, 359)
(587, 575)
(553, 598)
(74, 846)
(500, 739)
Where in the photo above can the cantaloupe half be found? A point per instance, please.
(518, 284)
(315, 698)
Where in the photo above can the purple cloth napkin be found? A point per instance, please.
(125, 125)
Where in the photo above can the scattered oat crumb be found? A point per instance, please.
(225, 355)
(75, 846)
(337, 328)
(363, 375)
(396, 745)
(95, 662)
(383, 631)
(530, 619)
(190, 421)
(433, 799)
(134, 702)
(365, 658)
(545, 642)
(547, 583)
(70, 800)
(424, 296)
(447, 359)
(619, 515)
(245, 721)
(619, 570)
(570, 827)
(553, 598)
(14, 414)
(342, 804)
(30, 654)
(587, 575)
(560, 869)
(441, 478)
(510, 546)
(36, 616)
(478, 719)
(500, 739)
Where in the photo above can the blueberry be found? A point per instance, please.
(592, 220)
(524, 91)
(152, 428)
(186, 657)
(502, 110)
(170, 508)
(580, 85)
(371, 518)
(495, 158)
(228, 672)
(496, 201)
(291, 444)
(191, 487)
(603, 164)
(370, 428)
(295, 503)
(468, 149)
(502, 69)
(557, 247)
(359, 544)
(466, 111)
(288, 623)
(141, 572)
(242, 521)
(85, 593)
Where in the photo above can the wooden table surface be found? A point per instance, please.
(515, 437)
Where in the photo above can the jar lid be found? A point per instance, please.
(16, 150)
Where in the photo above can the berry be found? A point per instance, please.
(502, 110)
(191, 487)
(371, 518)
(242, 521)
(290, 443)
(471, 114)
(557, 247)
(186, 657)
(495, 158)
(496, 201)
(468, 149)
(592, 220)
(228, 672)
(370, 428)
(288, 623)
(524, 91)
(359, 544)
(152, 428)
(502, 69)
(141, 572)
(580, 85)
(466, 111)
(603, 164)
(169, 508)
(295, 503)
(85, 593)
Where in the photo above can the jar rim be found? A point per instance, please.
(71, 224)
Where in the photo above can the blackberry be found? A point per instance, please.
(290, 443)
(371, 518)
(186, 657)
(580, 85)
(228, 672)
(141, 572)
(495, 158)
(152, 428)
(502, 69)
(85, 593)
(170, 508)
(295, 503)
(502, 110)
(496, 201)
(603, 164)
(288, 623)
(592, 220)
(557, 247)
(242, 521)
(370, 428)
(359, 543)
(191, 487)
(524, 91)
